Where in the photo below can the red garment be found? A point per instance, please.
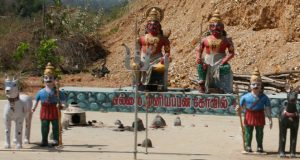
(254, 118)
(49, 111)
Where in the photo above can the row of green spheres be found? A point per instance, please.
(103, 102)
(91, 101)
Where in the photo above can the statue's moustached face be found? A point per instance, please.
(216, 28)
(48, 79)
(153, 27)
(255, 85)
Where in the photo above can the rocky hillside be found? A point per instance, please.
(266, 34)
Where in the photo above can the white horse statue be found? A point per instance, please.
(16, 109)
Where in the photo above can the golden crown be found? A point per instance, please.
(216, 17)
(255, 76)
(49, 70)
(154, 14)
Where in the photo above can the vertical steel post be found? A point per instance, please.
(135, 121)
(146, 103)
(136, 94)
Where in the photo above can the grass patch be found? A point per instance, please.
(2, 97)
(110, 32)
(117, 11)
(114, 30)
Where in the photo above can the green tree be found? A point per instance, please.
(45, 54)
(57, 2)
(26, 8)
(22, 49)
(2, 7)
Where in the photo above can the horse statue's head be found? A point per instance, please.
(292, 96)
(11, 87)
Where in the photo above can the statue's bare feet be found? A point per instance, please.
(282, 154)
(7, 146)
(18, 146)
(26, 141)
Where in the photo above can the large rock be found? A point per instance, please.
(158, 122)
(147, 143)
(140, 125)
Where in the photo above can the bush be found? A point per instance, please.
(26, 8)
(45, 54)
(65, 21)
(22, 49)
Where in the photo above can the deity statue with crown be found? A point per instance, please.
(154, 45)
(213, 68)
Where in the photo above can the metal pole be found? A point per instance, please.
(137, 80)
(146, 102)
(135, 120)
(240, 115)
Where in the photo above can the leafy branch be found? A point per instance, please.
(45, 54)
(22, 49)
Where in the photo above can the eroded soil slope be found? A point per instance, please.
(266, 34)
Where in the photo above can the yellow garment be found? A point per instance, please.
(160, 68)
(134, 66)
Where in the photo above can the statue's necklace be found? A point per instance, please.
(214, 44)
(151, 41)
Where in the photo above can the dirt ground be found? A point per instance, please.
(201, 137)
(265, 34)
